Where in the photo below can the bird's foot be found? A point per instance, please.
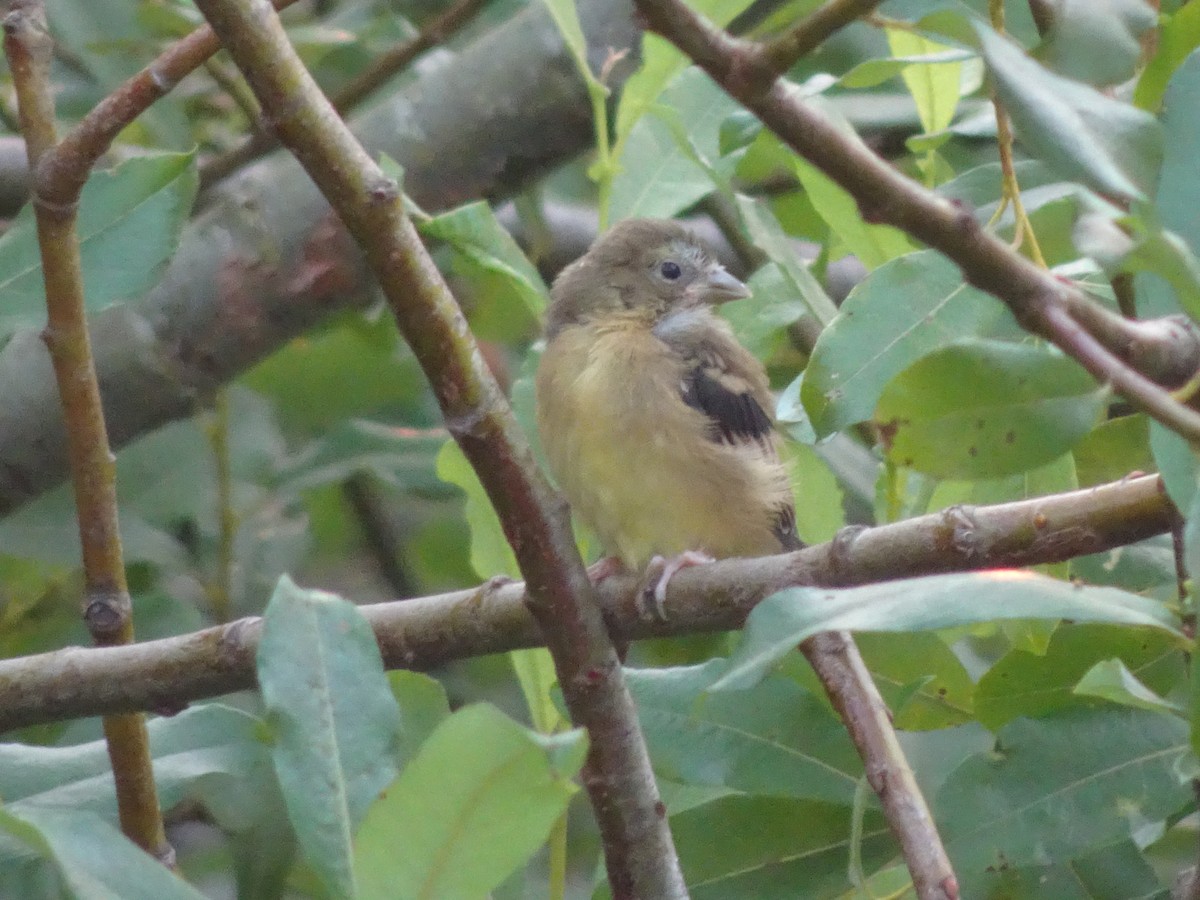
(652, 598)
(605, 567)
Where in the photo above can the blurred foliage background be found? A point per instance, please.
(1057, 754)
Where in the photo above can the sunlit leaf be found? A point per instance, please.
(785, 619)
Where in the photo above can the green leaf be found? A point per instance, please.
(874, 72)
(1022, 683)
(934, 86)
(129, 223)
(775, 738)
(1111, 146)
(987, 408)
(510, 293)
(944, 691)
(490, 551)
(819, 516)
(1177, 462)
(401, 457)
(1113, 450)
(479, 799)
(1110, 680)
(771, 848)
(785, 619)
(761, 320)
(1178, 36)
(423, 707)
(1177, 200)
(566, 17)
(210, 754)
(1059, 786)
(661, 62)
(335, 721)
(356, 367)
(1098, 42)
(93, 859)
(535, 672)
(1111, 872)
(902, 311)
(874, 245)
(766, 232)
(667, 157)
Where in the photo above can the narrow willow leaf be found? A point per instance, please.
(92, 858)
(130, 219)
(785, 619)
(335, 721)
(479, 799)
(1111, 146)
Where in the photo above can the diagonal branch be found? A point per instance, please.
(1042, 303)
(639, 852)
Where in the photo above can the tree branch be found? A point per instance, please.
(367, 82)
(1042, 303)
(107, 609)
(251, 272)
(639, 853)
(428, 632)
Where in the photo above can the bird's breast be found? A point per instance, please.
(637, 463)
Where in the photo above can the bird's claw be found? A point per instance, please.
(605, 567)
(652, 598)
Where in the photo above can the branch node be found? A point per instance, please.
(840, 547)
(106, 611)
(963, 528)
(382, 191)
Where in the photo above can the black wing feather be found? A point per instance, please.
(734, 416)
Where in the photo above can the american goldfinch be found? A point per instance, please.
(654, 419)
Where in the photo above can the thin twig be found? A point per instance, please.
(781, 53)
(107, 610)
(639, 852)
(841, 670)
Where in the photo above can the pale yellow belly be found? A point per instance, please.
(638, 465)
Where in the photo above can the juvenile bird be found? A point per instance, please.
(654, 418)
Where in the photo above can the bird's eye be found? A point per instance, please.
(670, 270)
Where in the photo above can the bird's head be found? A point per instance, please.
(648, 267)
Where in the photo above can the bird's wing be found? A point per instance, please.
(725, 382)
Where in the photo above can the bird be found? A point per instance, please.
(655, 421)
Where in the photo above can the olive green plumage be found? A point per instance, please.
(654, 419)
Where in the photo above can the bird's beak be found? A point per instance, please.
(718, 286)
